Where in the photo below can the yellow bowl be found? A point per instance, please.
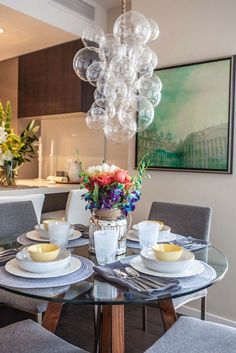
(45, 223)
(167, 252)
(43, 252)
(159, 222)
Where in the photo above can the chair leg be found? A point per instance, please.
(144, 317)
(39, 318)
(203, 308)
(97, 327)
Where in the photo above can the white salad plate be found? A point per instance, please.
(13, 268)
(25, 262)
(196, 268)
(149, 260)
(34, 235)
(133, 236)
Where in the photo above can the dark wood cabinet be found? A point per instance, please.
(48, 85)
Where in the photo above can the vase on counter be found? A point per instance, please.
(113, 219)
(8, 174)
(73, 169)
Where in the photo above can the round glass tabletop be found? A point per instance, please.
(96, 290)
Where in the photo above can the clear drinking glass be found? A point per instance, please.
(105, 245)
(59, 232)
(148, 234)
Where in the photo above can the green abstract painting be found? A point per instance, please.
(192, 126)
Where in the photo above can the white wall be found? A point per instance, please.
(193, 30)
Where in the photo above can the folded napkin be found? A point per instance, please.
(192, 244)
(7, 255)
(164, 284)
(83, 229)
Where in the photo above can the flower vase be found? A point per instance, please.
(103, 219)
(7, 175)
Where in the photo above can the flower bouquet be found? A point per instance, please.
(14, 149)
(111, 195)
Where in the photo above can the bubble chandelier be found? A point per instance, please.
(121, 66)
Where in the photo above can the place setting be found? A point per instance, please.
(159, 267)
(78, 235)
(135, 237)
(45, 264)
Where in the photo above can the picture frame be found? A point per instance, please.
(192, 129)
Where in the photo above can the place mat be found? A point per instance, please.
(202, 279)
(107, 272)
(189, 243)
(85, 271)
(23, 240)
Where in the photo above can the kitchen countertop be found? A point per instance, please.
(35, 186)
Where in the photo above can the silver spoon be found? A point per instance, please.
(135, 274)
(134, 281)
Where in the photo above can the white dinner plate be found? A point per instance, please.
(194, 270)
(34, 235)
(13, 268)
(132, 235)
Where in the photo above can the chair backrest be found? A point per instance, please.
(16, 218)
(37, 200)
(187, 220)
(75, 208)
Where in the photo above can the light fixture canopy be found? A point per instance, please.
(120, 65)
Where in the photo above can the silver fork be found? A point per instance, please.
(138, 283)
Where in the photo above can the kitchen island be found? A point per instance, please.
(55, 194)
(36, 186)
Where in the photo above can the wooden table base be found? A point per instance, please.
(168, 313)
(112, 329)
(52, 316)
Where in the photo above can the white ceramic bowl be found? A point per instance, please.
(43, 233)
(24, 261)
(150, 261)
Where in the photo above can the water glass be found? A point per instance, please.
(59, 232)
(148, 234)
(105, 245)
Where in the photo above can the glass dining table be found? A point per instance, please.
(109, 298)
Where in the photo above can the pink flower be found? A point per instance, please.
(120, 175)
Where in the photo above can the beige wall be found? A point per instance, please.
(194, 30)
(9, 85)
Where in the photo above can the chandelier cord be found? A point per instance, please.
(123, 6)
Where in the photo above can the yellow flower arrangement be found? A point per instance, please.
(15, 149)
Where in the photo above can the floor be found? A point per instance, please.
(76, 326)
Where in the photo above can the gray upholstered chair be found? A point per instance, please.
(28, 337)
(187, 220)
(189, 335)
(17, 218)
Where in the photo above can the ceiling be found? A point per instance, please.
(108, 3)
(24, 34)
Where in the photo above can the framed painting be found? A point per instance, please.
(192, 129)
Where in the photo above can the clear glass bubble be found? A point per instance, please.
(92, 36)
(110, 47)
(154, 60)
(133, 26)
(107, 105)
(119, 87)
(140, 110)
(154, 30)
(93, 72)
(150, 88)
(83, 59)
(117, 133)
(122, 68)
(104, 76)
(96, 118)
(107, 90)
(99, 115)
(97, 95)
